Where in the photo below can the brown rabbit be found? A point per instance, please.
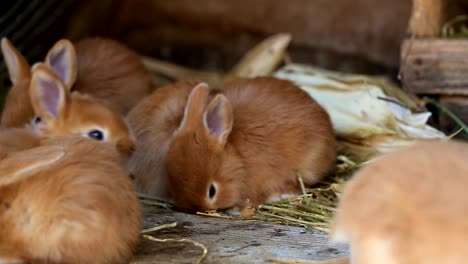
(67, 202)
(153, 122)
(107, 70)
(103, 68)
(408, 207)
(61, 113)
(17, 109)
(244, 146)
(17, 138)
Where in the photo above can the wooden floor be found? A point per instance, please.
(230, 241)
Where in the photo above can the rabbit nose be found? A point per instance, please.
(126, 146)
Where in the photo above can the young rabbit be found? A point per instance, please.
(231, 150)
(61, 113)
(17, 109)
(153, 122)
(103, 68)
(107, 70)
(409, 206)
(17, 138)
(69, 201)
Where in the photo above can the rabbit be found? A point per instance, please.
(68, 201)
(153, 122)
(17, 138)
(408, 206)
(17, 109)
(100, 67)
(106, 69)
(59, 113)
(230, 150)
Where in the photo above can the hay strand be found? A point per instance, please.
(158, 228)
(156, 203)
(182, 240)
(447, 111)
(313, 208)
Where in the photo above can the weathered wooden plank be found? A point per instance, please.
(234, 26)
(230, 241)
(435, 66)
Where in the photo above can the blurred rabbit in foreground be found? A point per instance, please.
(69, 201)
(409, 206)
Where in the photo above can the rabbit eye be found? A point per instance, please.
(212, 191)
(37, 120)
(96, 134)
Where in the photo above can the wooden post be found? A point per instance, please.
(427, 18)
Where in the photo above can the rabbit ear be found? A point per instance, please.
(195, 105)
(62, 58)
(48, 93)
(218, 118)
(18, 67)
(22, 164)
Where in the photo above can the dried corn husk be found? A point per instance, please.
(370, 116)
(177, 72)
(263, 59)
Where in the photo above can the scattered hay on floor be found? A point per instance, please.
(145, 235)
(158, 228)
(314, 208)
(182, 240)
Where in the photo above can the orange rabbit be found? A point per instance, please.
(61, 113)
(17, 138)
(69, 201)
(244, 146)
(103, 68)
(17, 109)
(106, 69)
(408, 207)
(153, 122)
